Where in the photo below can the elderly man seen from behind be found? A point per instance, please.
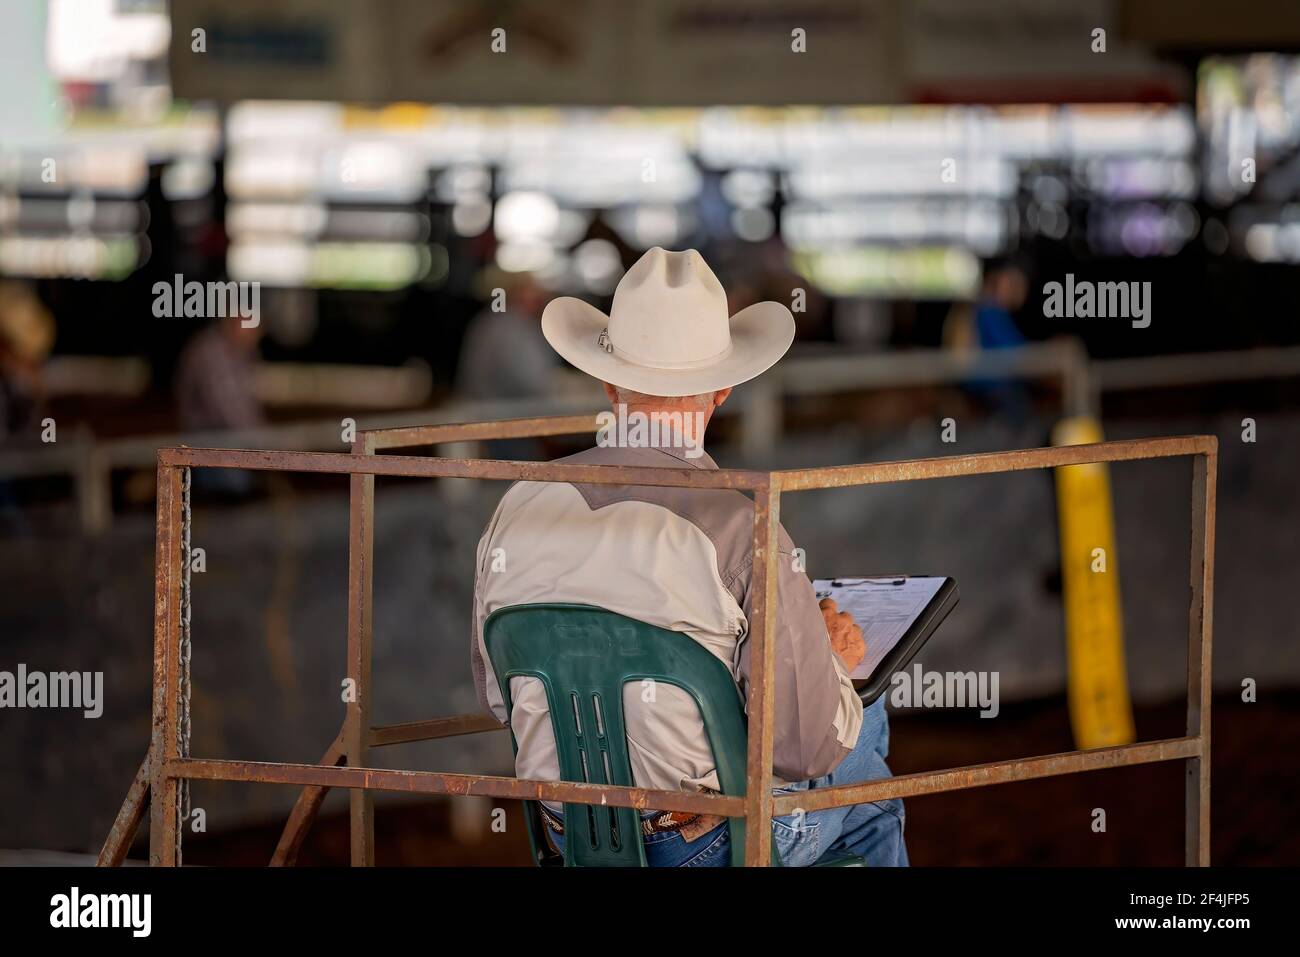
(681, 559)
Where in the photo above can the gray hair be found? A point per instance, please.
(703, 400)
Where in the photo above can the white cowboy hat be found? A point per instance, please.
(668, 332)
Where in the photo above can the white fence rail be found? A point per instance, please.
(759, 404)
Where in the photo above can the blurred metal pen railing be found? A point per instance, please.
(759, 405)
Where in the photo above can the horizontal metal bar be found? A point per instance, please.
(418, 466)
(436, 782)
(537, 427)
(908, 785)
(791, 480)
(982, 775)
(337, 384)
(841, 372)
(38, 460)
(140, 451)
(1196, 368)
(95, 375)
(433, 728)
(985, 463)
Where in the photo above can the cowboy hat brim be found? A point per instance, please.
(760, 335)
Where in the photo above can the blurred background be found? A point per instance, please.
(908, 176)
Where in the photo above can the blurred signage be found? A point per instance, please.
(662, 52)
(688, 52)
(1212, 24)
(1009, 51)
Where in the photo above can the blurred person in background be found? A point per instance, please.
(1002, 294)
(756, 272)
(990, 324)
(215, 391)
(26, 337)
(504, 354)
(862, 324)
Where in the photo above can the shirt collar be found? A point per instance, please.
(701, 461)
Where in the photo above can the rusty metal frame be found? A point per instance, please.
(346, 763)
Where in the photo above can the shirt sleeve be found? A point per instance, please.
(818, 713)
(485, 683)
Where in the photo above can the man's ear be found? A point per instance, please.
(612, 392)
(720, 397)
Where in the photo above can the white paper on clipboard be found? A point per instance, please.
(884, 608)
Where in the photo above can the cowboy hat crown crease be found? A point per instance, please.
(670, 311)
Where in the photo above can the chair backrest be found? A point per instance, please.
(583, 657)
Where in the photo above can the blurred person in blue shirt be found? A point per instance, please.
(990, 324)
(1002, 294)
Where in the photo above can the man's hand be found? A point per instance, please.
(846, 636)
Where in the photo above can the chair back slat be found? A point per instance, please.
(584, 656)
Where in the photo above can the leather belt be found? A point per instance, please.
(660, 822)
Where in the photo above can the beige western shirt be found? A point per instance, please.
(680, 559)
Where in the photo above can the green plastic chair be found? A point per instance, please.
(583, 657)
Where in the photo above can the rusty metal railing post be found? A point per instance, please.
(356, 725)
(762, 676)
(1199, 656)
(165, 806)
(129, 817)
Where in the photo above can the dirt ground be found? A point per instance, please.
(1255, 803)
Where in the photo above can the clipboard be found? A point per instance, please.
(895, 624)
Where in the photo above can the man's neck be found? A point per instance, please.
(645, 425)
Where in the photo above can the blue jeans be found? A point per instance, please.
(871, 831)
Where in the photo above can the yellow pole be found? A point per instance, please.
(1101, 713)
